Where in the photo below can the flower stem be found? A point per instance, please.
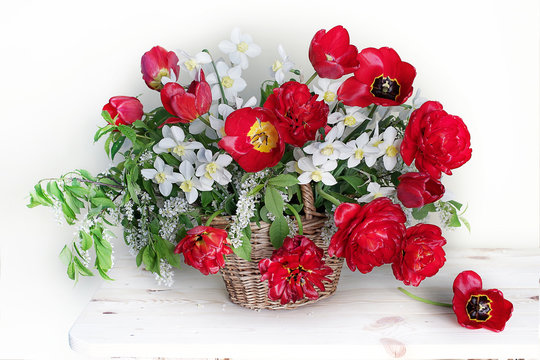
(372, 111)
(311, 78)
(209, 221)
(298, 220)
(205, 121)
(422, 299)
(327, 196)
(218, 78)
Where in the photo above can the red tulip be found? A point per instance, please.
(331, 54)
(157, 63)
(125, 109)
(187, 106)
(299, 114)
(421, 254)
(368, 235)
(252, 139)
(418, 189)
(477, 308)
(382, 79)
(435, 140)
(204, 248)
(294, 270)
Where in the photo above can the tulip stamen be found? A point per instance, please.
(385, 87)
(479, 308)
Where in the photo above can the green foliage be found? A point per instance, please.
(244, 250)
(278, 231)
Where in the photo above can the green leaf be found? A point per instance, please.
(116, 146)
(465, 222)
(103, 253)
(139, 124)
(139, 257)
(78, 191)
(278, 231)
(104, 274)
(421, 213)
(69, 215)
(103, 202)
(165, 250)
(244, 250)
(107, 145)
(354, 181)
(456, 204)
(102, 131)
(273, 201)
(65, 255)
(255, 190)
(267, 88)
(149, 260)
(206, 198)
(74, 203)
(39, 192)
(263, 213)
(54, 190)
(71, 270)
(283, 180)
(170, 160)
(86, 240)
(83, 270)
(454, 221)
(86, 174)
(128, 132)
(107, 117)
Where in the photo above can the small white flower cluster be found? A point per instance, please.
(171, 210)
(445, 214)
(245, 207)
(137, 235)
(145, 156)
(329, 229)
(166, 274)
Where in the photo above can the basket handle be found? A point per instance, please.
(309, 202)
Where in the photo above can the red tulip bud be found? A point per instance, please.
(157, 63)
(126, 109)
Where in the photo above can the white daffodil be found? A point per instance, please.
(173, 142)
(344, 124)
(230, 80)
(292, 166)
(327, 90)
(376, 191)
(281, 67)
(310, 172)
(197, 126)
(389, 148)
(239, 48)
(328, 150)
(193, 63)
(162, 175)
(189, 183)
(360, 149)
(213, 168)
(225, 110)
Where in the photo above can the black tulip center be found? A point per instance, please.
(385, 87)
(479, 308)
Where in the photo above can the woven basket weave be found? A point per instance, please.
(243, 278)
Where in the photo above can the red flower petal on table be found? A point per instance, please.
(368, 235)
(418, 189)
(331, 54)
(476, 308)
(128, 109)
(294, 270)
(204, 248)
(252, 139)
(157, 63)
(382, 79)
(299, 114)
(435, 140)
(421, 254)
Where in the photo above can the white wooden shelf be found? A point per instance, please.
(367, 318)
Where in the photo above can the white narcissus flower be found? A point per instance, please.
(292, 166)
(189, 184)
(162, 175)
(417, 101)
(389, 148)
(314, 173)
(225, 110)
(173, 142)
(239, 48)
(360, 149)
(230, 80)
(344, 124)
(193, 63)
(376, 191)
(213, 168)
(282, 66)
(327, 90)
(328, 150)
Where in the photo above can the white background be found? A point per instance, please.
(62, 61)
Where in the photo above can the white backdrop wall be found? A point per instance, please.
(62, 61)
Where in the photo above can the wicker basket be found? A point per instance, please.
(243, 278)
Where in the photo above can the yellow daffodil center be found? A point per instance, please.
(186, 186)
(276, 65)
(156, 82)
(377, 195)
(211, 168)
(242, 47)
(222, 132)
(297, 168)
(179, 150)
(349, 120)
(161, 177)
(190, 64)
(377, 143)
(316, 176)
(391, 151)
(327, 150)
(329, 57)
(359, 154)
(263, 136)
(227, 82)
(329, 96)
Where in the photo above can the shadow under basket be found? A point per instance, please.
(243, 278)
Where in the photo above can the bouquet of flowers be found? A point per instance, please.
(210, 174)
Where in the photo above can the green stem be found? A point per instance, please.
(298, 220)
(209, 221)
(311, 78)
(372, 111)
(422, 299)
(205, 121)
(327, 196)
(218, 78)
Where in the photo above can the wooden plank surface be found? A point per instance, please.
(367, 318)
